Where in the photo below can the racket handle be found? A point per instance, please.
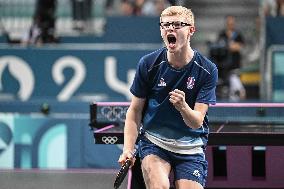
(127, 164)
(122, 173)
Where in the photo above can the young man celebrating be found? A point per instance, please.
(172, 90)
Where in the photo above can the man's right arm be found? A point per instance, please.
(131, 128)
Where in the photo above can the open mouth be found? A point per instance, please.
(171, 39)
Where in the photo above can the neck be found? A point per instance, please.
(180, 58)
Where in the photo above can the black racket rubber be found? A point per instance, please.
(122, 173)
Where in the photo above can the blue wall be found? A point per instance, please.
(123, 30)
(274, 31)
(67, 77)
(52, 142)
(70, 72)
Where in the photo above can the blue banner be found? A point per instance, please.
(274, 31)
(277, 75)
(123, 29)
(49, 142)
(102, 72)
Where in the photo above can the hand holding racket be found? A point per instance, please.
(123, 170)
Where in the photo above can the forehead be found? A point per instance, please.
(173, 18)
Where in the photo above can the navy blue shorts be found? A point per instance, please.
(190, 167)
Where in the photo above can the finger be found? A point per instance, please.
(179, 92)
(171, 93)
(129, 154)
(177, 97)
(172, 99)
(133, 161)
(121, 159)
(174, 94)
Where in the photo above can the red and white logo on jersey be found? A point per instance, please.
(190, 82)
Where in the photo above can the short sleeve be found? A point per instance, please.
(207, 94)
(139, 87)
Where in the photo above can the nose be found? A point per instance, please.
(170, 27)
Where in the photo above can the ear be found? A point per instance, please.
(191, 30)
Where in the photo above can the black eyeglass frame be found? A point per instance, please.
(182, 24)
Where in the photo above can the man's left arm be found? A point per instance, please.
(192, 117)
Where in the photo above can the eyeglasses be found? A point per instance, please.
(175, 25)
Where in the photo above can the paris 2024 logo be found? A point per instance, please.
(21, 72)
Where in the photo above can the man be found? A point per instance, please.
(228, 69)
(172, 89)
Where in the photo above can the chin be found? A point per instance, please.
(172, 50)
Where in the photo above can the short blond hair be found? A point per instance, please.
(179, 11)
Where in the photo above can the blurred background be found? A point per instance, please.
(58, 56)
(123, 24)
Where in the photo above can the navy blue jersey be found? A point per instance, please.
(155, 78)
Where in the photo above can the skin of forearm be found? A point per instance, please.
(131, 130)
(192, 118)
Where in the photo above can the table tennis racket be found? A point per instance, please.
(123, 172)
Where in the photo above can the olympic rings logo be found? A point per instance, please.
(109, 139)
(114, 113)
